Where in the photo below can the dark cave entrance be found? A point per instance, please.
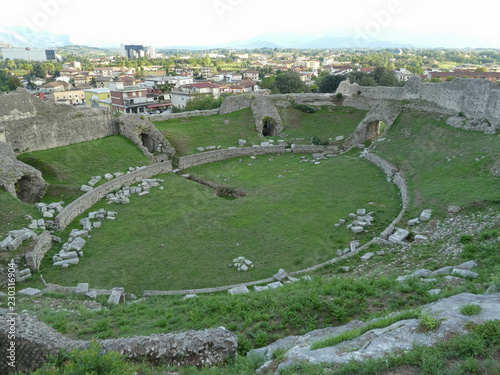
(148, 142)
(269, 127)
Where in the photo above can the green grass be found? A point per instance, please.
(187, 134)
(322, 124)
(184, 237)
(470, 309)
(434, 181)
(67, 168)
(349, 335)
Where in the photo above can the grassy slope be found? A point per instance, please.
(185, 237)
(186, 135)
(67, 168)
(323, 124)
(420, 145)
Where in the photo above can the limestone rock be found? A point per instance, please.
(239, 290)
(281, 275)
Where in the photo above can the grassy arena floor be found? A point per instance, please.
(185, 237)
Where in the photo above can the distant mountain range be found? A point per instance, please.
(24, 37)
(333, 38)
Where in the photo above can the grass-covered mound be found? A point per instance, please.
(67, 168)
(443, 166)
(187, 134)
(323, 125)
(185, 237)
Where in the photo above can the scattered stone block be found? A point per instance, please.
(210, 148)
(352, 216)
(82, 288)
(143, 193)
(426, 215)
(275, 285)
(29, 292)
(238, 290)
(77, 244)
(381, 253)
(420, 238)
(467, 265)
(86, 188)
(5, 242)
(399, 236)
(242, 142)
(108, 176)
(413, 222)
(68, 255)
(116, 298)
(464, 273)
(92, 294)
(367, 256)
(96, 224)
(281, 275)
(187, 296)
(357, 229)
(67, 261)
(48, 215)
(361, 212)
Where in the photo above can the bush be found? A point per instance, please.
(470, 309)
(428, 322)
(303, 107)
(339, 96)
(261, 339)
(466, 238)
(88, 361)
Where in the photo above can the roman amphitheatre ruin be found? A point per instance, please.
(326, 198)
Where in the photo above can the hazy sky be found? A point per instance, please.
(202, 22)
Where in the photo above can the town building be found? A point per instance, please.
(128, 99)
(183, 94)
(135, 51)
(98, 97)
(29, 54)
(71, 97)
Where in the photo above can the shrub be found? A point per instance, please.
(470, 309)
(488, 234)
(88, 361)
(339, 96)
(261, 339)
(428, 323)
(466, 238)
(304, 108)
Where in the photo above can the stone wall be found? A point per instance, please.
(20, 179)
(43, 243)
(34, 341)
(208, 112)
(476, 98)
(34, 125)
(398, 179)
(219, 155)
(80, 205)
(312, 149)
(368, 128)
(145, 136)
(310, 99)
(236, 103)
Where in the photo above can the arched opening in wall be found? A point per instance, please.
(373, 131)
(269, 127)
(27, 189)
(148, 142)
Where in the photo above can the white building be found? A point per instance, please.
(29, 54)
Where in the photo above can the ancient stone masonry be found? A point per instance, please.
(19, 179)
(28, 123)
(80, 205)
(475, 98)
(146, 137)
(218, 155)
(35, 340)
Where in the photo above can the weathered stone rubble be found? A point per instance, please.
(35, 340)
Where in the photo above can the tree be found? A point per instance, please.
(388, 79)
(14, 83)
(267, 82)
(330, 83)
(480, 69)
(368, 81)
(289, 82)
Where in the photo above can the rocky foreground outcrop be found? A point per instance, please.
(376, 343)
